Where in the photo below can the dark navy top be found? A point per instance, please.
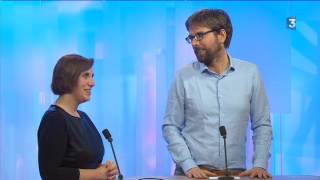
(66, 144)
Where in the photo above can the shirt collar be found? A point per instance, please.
(231, 68)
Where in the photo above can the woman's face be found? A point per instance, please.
(82, 91)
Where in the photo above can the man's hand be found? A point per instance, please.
(198, 173)
(256, 172)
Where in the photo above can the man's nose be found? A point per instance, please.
(194, 43)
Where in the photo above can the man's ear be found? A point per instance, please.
(222, 36)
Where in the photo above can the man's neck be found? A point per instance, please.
(220, 63)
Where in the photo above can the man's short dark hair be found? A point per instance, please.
(67, 71)
(214, 19)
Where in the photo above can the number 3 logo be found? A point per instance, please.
(291, 22)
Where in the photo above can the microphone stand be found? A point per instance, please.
(224, 135)
(108, 136)
(120, 176)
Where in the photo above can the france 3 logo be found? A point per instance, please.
(291, 23)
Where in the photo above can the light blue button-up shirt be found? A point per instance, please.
(201, 100)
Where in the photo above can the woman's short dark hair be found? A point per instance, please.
(215, 19)
(67, 71)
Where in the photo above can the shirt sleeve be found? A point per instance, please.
(173, 125)
(260, 122)
(52, 145)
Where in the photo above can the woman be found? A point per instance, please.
(70, 146)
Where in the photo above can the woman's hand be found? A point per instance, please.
(108, 171)
(112, 170)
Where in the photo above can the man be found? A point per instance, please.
(217, 90)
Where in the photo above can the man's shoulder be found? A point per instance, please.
(243, 64)
(189, 69)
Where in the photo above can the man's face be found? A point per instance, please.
(206, 49)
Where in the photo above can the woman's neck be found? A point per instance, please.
(69, 104)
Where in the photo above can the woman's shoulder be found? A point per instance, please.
(53, 115)
(54, 110)
(52, 121)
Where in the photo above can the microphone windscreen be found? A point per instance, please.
(106, 134)
(223, 131)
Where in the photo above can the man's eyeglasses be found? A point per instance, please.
(199, 36)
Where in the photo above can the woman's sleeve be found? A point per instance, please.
(52, 144)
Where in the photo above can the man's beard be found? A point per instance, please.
(205, 56)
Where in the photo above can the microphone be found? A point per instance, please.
(223, 133)
(107, 135)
